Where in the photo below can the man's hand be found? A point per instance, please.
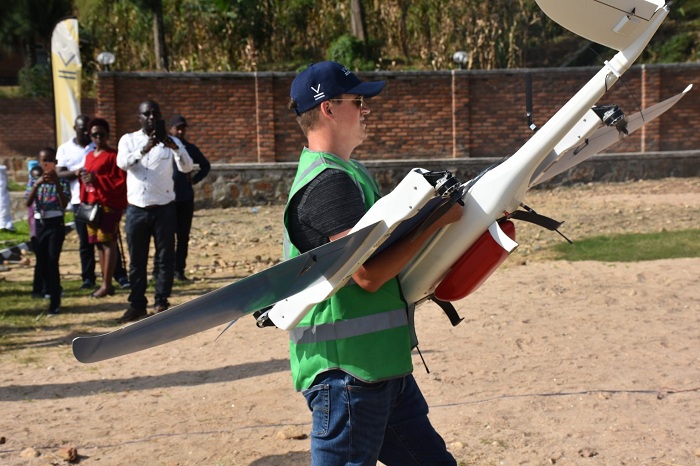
(49, 177)
(86, 177)
(152, 142)
(169, 143)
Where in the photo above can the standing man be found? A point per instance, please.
(356, 373)
(184, 194)
(149, 164)
(70, 159)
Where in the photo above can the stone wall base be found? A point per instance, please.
(234, 185)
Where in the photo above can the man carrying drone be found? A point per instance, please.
(351, 354)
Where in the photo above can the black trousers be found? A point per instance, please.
(38, 287)
(142, 224)
(184, 211)
(86, 250)
(50, 234)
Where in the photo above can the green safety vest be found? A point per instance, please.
(364, 334)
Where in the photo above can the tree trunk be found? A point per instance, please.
(357, 20)
(29, 52)
(161, 49)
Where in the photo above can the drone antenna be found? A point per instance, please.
(528, 101)
(624, 83)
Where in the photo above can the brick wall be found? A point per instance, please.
(243, 117)
(27, 126)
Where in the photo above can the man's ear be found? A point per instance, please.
(326, 108)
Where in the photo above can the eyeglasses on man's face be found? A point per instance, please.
(149, 113)
(359, 101)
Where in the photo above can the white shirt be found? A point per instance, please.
(71, 155)
(149, 178)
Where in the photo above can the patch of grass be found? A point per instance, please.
(19, 310)
(10, 238)
(633, 247)
(10, 92)
(21, 313)
(21, 233)
(12, 185)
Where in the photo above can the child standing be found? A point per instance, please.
(49, 196)
(35, 172)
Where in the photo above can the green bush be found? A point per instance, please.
(678, 48)
(351, 52)
(35, 81)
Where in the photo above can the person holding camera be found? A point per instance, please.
(70, 158)
(103, 183)
(147, 157)
(49, 195)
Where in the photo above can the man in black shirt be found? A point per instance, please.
(184, 195)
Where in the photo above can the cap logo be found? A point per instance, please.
(319, 94)
(345, 70)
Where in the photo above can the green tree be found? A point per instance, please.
(229, 35)
(24, 24)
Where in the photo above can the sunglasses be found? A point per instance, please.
(148, 113)
(359, 101)
(99, 135)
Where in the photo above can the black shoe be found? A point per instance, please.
(132, 315)
(160, 307)
(123, 283)
(180, 276)
(87, 284)
(53, 311)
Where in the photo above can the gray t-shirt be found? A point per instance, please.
(330, 204)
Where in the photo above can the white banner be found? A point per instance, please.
(66, 68)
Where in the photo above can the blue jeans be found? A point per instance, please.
(358, 423)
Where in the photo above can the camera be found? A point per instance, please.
(161, 132)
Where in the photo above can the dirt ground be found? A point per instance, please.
(566, 363)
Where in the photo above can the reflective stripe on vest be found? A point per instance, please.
(349, 328)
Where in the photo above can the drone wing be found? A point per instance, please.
(225, 304)
(577, 147)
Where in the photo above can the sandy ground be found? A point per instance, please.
(566, 363)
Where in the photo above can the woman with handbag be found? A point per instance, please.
(102, 183)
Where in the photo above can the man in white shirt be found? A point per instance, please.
(70, 159)
(147, 157)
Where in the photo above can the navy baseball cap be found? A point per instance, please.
(327, 80)
(178, 120)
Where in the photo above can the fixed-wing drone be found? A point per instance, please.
(459, 257)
